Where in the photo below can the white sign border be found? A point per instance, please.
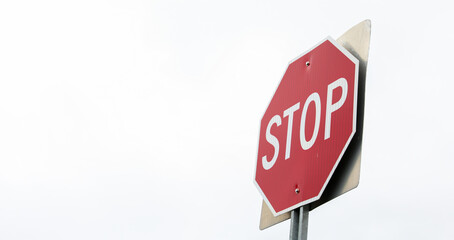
(356, 62)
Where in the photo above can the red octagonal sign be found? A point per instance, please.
(307, 127)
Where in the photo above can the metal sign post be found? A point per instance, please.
(299, 223)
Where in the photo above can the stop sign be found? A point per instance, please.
(307, 126)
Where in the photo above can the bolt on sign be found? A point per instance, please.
(307, 126)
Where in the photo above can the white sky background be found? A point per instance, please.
(140, 119)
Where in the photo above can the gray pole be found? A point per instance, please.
(299, 223)
(294, 224)
(303, 222)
